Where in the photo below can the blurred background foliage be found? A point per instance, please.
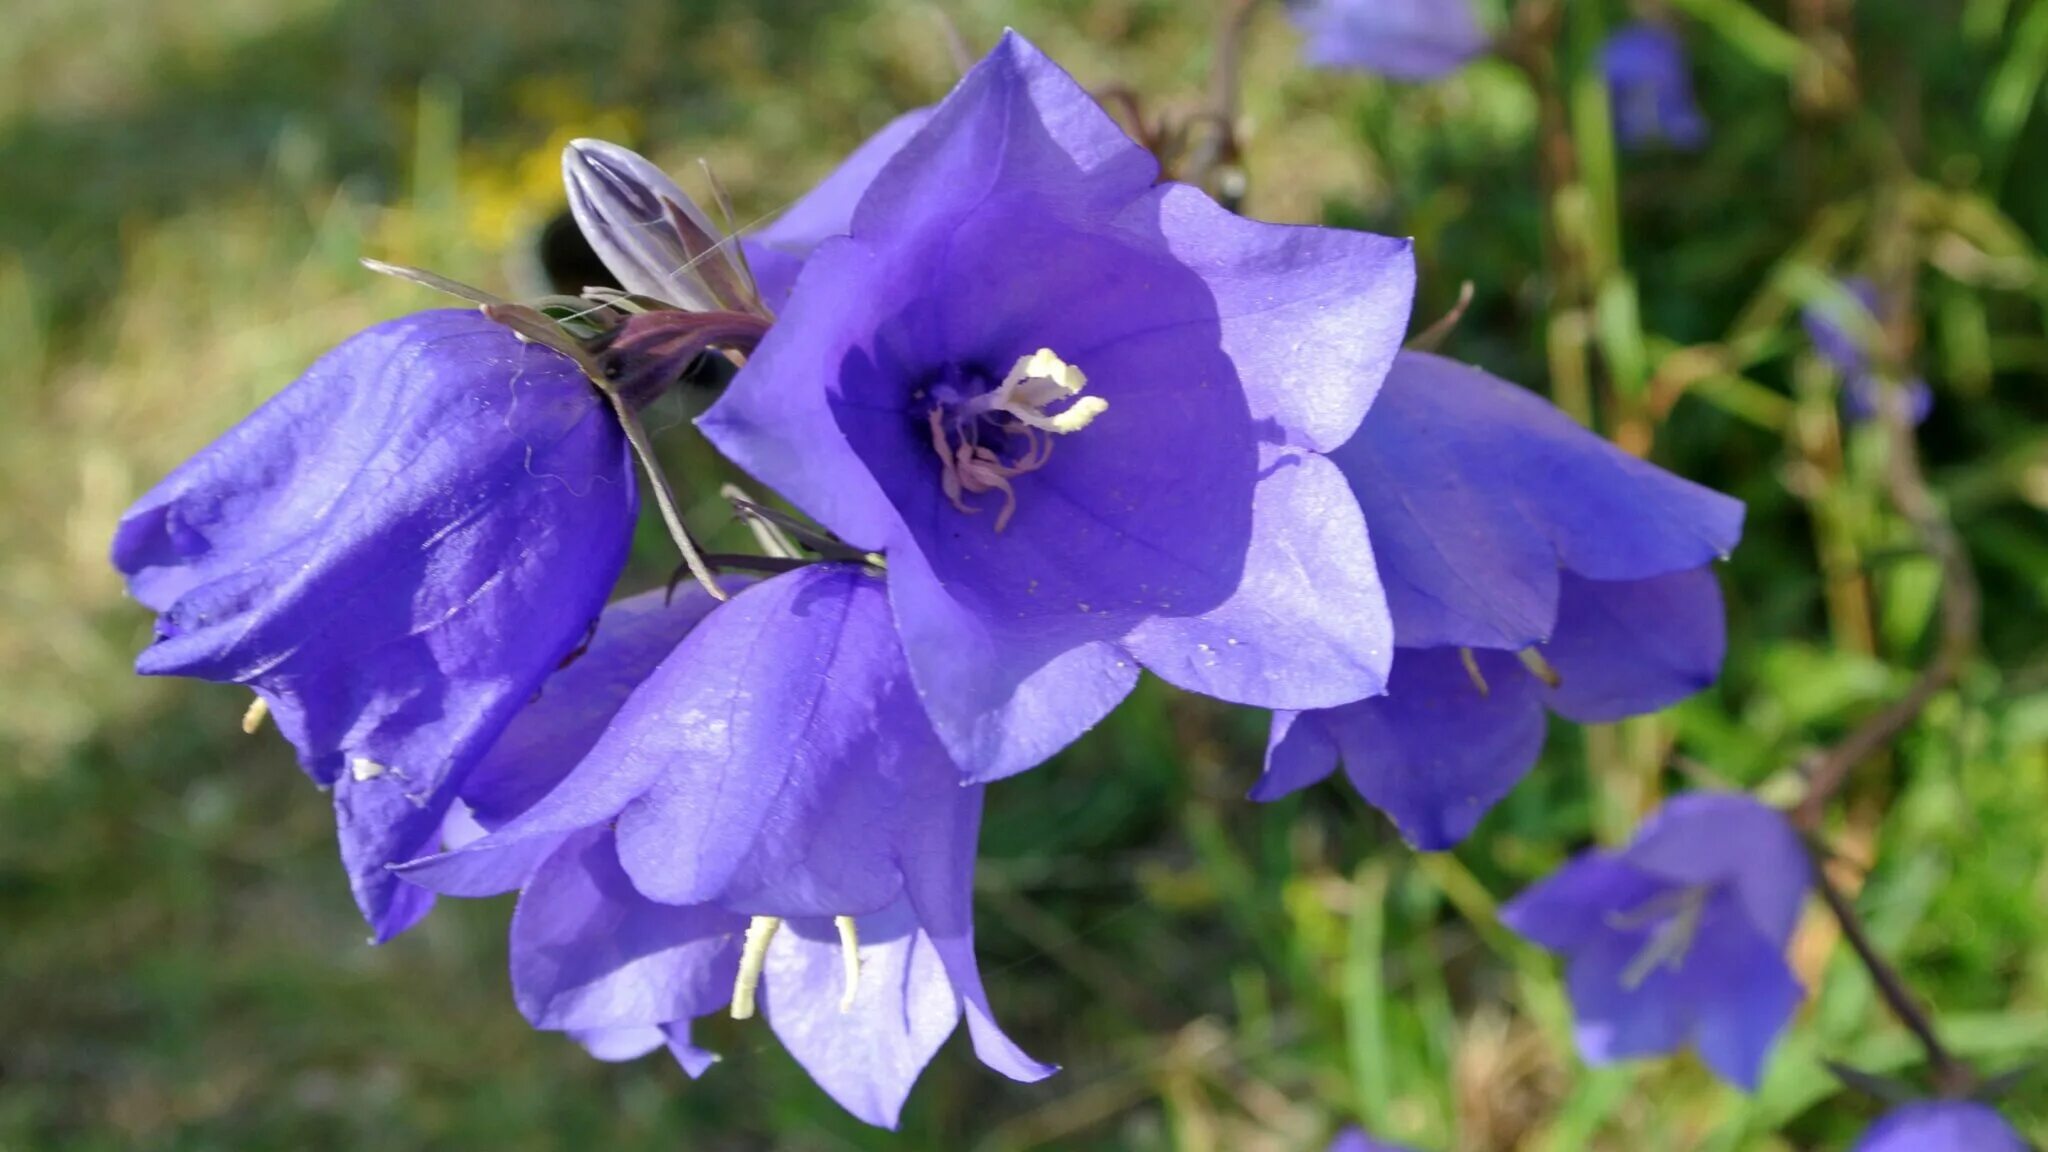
(185, 189)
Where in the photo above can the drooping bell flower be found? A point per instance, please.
(1679, 938)
(1942, 1126)
(1530, 566)
(1843, 331)
(767, 816)
(1402, 39)
(393, 554)
(1082, 415)
(1649, 83)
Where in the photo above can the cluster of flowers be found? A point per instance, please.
(1054, 421)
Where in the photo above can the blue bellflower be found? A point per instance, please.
(1942, 1126)
(393, 554)
(1530, 566)
(1680, 937)
(1082, 414)
(1844, 341)
(766, 813)
(1649, 83)
(1403, 39)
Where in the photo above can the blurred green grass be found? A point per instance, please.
(184, 192)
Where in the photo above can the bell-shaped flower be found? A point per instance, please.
(1082, 416)
(1843, 330)
(1402, 39)
(1942, 1126)
(1649, 83)
(1680, 937)
(769, 816)
(1530, 566)
(394, 553)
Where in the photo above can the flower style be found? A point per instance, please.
(393, 553)
(1082, 416)
(1844, 338)
(767, 815)
(1403, 39)
(1529, 564)
(1680, 937)
(1942, 1126)
(1650, 83)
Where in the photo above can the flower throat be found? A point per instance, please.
(984, 441)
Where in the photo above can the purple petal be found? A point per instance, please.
(1355, 1140)
(695, 1061)
(1403, 39)
(791, 734)
(618, 1045)
(869, 1056)
(1299, 752)
(588, 951)
(1476, 491)
(1746, 994)
(1615, 1019)
(395, 552)
(1626, 648)
(1307, 625)
(1835, 333)
(778, 251)
(938, 868)
(1435, 753)
(1650, 87)
(1942, 1126)
(1726, 838)
(1570, 909)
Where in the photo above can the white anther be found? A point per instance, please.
(754, 957)
(849, 957)
(1040, 379)
(365, 769)
(259, 710)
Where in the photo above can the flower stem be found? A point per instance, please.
(664, 496)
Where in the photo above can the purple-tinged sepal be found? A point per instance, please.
(393, 553)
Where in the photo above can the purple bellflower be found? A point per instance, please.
(1649, 82)
(1355, 1140)
(393, 553)
(1402, 39)
(1529, 565)
(1680, 937)
(768, 815)
(1942, 1126)
(1082, 415)
(1844, 341)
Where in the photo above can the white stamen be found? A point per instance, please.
(1471, 663)
(754, 957)
(849, 954)
(1680, 913)
(1034, 382)
(259, 710)
(365, 769)
(1040, 379)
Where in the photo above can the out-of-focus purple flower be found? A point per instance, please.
(1844, 340)
(1529, 564)
(1082, 415)
(1680, 937)
(1942, 1126)
(771, 780)
(1404, 39)
(393, 553)
(1649, 82)
(1355, 1140)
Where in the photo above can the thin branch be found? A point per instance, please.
(1950, 1074)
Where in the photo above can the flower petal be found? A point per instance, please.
(1626, 648)
(1710, 838)
(777, 251)
(1299, 752)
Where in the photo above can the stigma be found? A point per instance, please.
(1021, 412)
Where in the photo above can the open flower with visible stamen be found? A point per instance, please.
(765, 816)
(1530, 566)
(1679, 938)
(1082, 414)
(393, 554)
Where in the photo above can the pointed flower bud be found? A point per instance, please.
(649, 232)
